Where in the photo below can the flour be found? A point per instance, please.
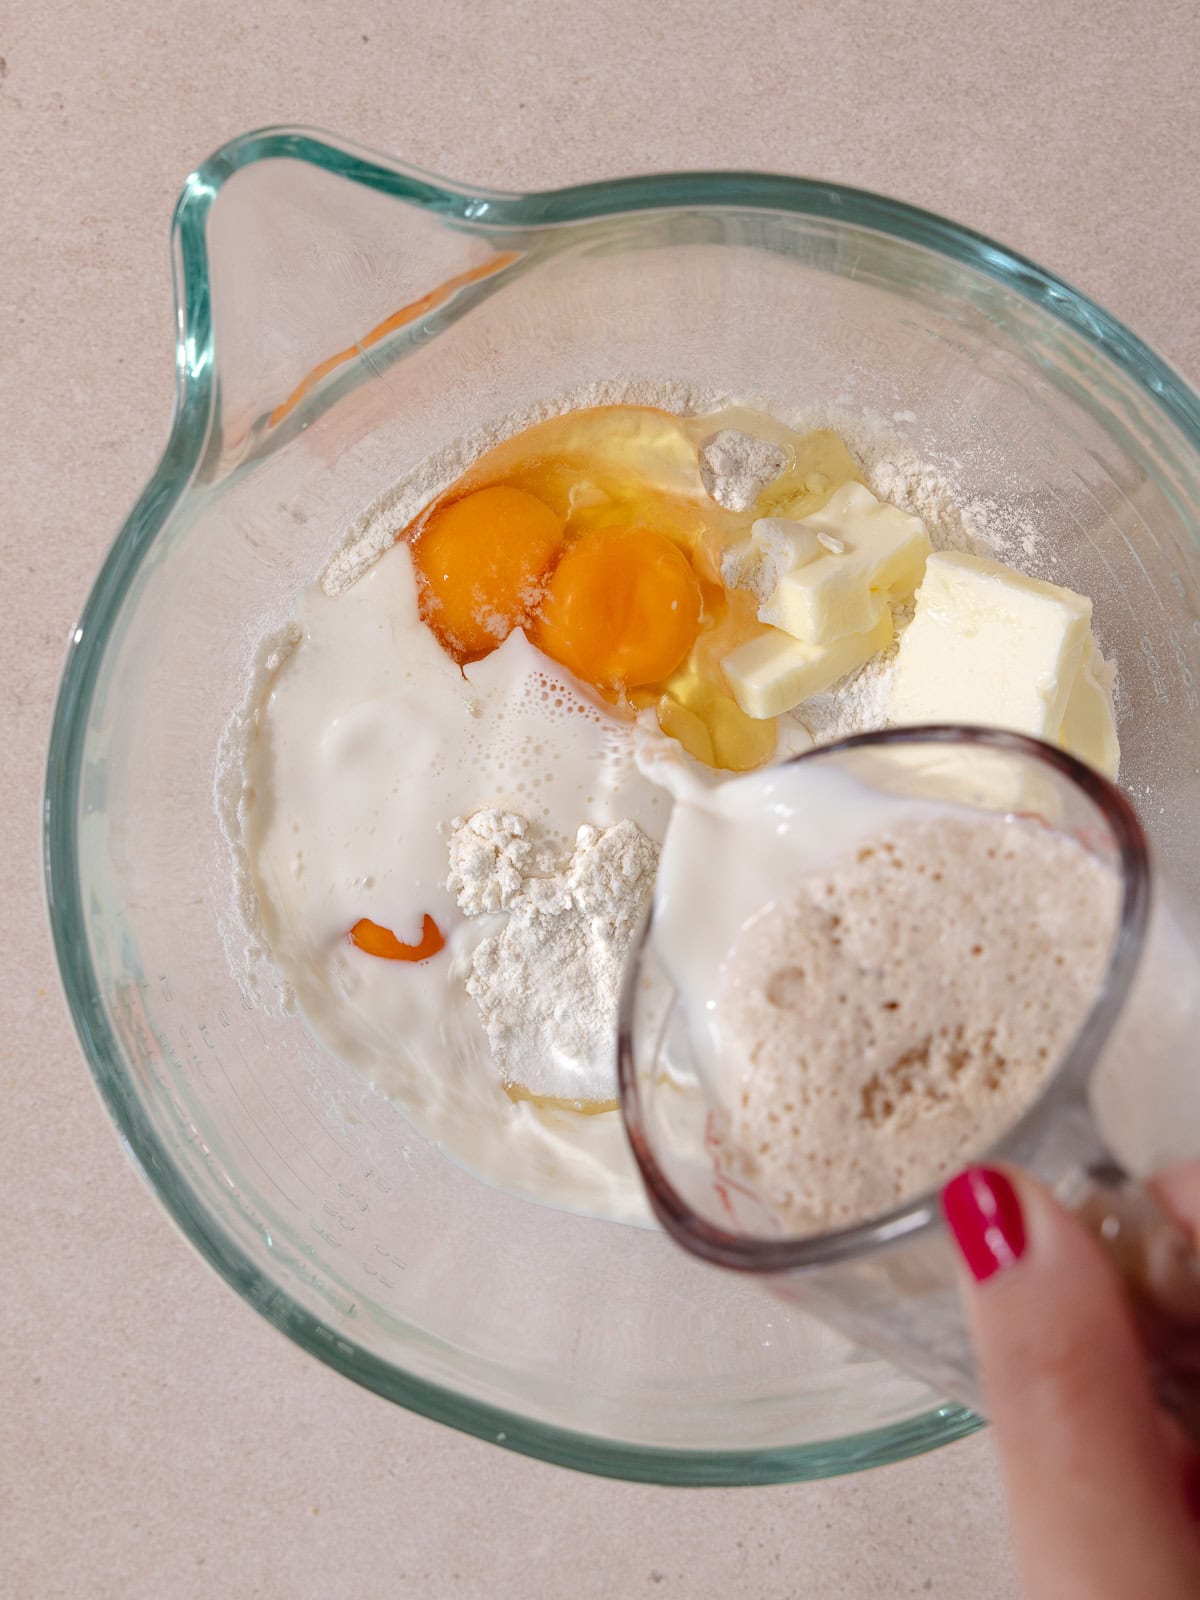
(239, 917)
(859, 704)
(736, 467)
(548, 984)
(904, 479)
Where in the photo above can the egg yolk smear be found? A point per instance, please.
(593, 531)
(375, 940)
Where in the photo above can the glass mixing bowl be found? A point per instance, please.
(339, 318)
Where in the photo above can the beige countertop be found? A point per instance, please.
(156, 1438)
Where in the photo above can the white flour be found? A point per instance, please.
(859, 704)
(548, 983)
(240, 915)
(735, 467)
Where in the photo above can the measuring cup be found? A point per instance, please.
(342, 317)
(1123, 1102)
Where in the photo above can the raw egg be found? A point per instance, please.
(481, 564)
(593, 532)
(621, 609)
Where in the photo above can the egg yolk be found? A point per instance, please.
(622, 608)
(378, 941)
(481, 564)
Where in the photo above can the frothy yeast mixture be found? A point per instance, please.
(877, 987)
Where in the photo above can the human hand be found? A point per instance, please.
(1103, 1489)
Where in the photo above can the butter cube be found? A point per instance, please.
(775, 546)
(1089, 728)
(871, 554)
(990, 646)
(774, 673)
(824, 600)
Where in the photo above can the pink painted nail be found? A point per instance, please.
(984, 1216)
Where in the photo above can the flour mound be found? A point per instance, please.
(548, 984)
(736, 467)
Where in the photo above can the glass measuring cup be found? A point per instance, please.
(340, 317)
(1123, 1101)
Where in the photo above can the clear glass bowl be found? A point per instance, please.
(339, 318)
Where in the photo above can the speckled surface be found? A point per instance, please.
(156, 1439)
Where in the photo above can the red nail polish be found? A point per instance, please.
(984, 1215)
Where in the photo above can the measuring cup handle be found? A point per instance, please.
(1160, 1270)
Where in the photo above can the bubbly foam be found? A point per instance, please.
(890, 1018)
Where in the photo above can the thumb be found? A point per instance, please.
(1098, 1508)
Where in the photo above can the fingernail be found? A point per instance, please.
(984, 1215)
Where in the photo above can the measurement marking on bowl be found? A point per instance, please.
(1186, 676)
(354, 1199)
(256, 1123)
(347, 1224)
(1154, 667)
(242, 1057)
(348, 1307)
(1107, 517)
(1088, 536)
(328, 1132)
(266, 1174)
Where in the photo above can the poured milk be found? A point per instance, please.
(370, 742)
